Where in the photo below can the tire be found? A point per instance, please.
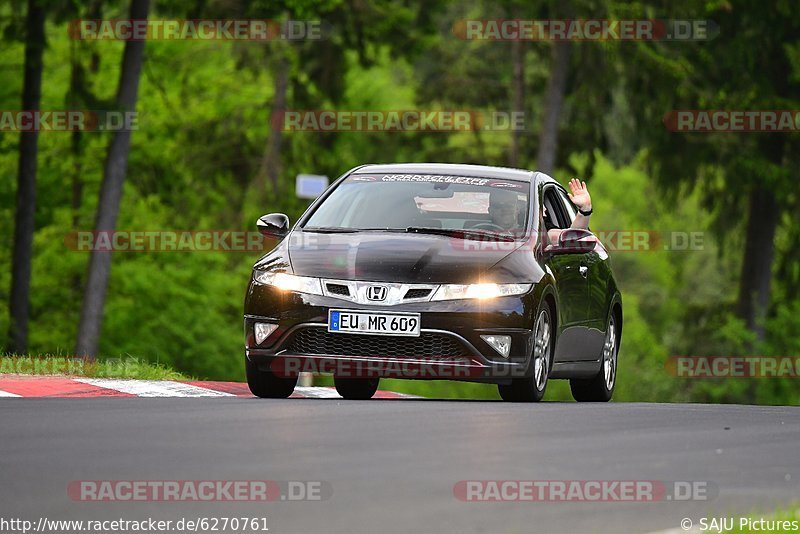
(265, 384)
(356, 388)
(600, 388)
(532, 388)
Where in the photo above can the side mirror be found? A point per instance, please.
(574, 241)
(273, 225)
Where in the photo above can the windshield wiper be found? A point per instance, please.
(347, 230)
(330, 230)
(460, 233)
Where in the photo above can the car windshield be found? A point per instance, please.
(420, 201)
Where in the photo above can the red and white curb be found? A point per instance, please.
(58, 386)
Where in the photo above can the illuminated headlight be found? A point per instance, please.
(502, 344)
(262, 331)
(289, 282)
(479, 291)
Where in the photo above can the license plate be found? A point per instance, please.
(387, 324)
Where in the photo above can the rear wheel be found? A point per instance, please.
(356, 388)
(265, 384)
(532, 388)
(600, 388)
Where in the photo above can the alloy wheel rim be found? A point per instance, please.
(541, 350)
(610, 355)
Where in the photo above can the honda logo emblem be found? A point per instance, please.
(376, 292)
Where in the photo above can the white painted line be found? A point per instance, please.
(408, 395)
(318, 392)
(7, 394)
(154, 388)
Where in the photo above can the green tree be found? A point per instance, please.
(111, 192)
(751, 65)
(26, 181)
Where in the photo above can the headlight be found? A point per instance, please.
(479, 291)
(289, 282)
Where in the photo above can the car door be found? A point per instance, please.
(598, 300)
(569, 271)
(594, 269)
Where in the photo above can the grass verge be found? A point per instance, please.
(784, 520)
(51, 365)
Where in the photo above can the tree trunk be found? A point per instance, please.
(756, 275)
(26, 183)
(111, 193)
(75, 101)
(271, 162)
(553, 101)
(518, 96)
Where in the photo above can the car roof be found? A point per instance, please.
(451, 169)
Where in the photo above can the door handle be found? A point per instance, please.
(584, 270)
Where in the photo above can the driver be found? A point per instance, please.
(504, 209)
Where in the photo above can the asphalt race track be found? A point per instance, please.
(392, 464)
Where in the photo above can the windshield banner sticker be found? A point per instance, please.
(438, 178)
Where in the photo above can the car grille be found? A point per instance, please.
(338, 289)
(416, 293)
(428, 346)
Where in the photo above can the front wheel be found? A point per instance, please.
(265, 384)
(531, 388)
(356, 388)
(600, 388)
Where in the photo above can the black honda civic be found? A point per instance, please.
(434, 271)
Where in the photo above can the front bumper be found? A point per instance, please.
(449, 346)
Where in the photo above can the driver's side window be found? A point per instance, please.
(555, 215)
(554, 210)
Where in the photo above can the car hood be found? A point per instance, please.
(389, 257)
